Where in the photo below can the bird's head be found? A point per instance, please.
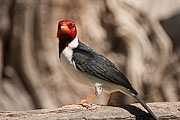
(67, 35)
(66, 29)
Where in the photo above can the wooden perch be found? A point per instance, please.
(163, 110)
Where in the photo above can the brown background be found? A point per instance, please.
(132, 34)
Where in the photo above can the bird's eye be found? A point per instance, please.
(71, 26)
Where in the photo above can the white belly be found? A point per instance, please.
(76, 74)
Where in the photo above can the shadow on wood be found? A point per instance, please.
(163, 110)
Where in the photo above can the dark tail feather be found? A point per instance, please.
(144, 105)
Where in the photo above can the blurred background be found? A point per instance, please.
(141, 37)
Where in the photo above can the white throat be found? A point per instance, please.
(74, 43)
(67, 53)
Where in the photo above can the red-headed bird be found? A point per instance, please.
(90, 68)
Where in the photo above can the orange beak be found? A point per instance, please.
(64, 27)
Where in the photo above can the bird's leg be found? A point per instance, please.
(110, 101)
(82, 102)
(88, 98)
(98, 90)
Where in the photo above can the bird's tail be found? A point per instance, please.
(144, 105)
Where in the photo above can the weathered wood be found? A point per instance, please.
(163, 110)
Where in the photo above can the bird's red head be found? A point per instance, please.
(66, 28)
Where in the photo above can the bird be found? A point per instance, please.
(90, 68)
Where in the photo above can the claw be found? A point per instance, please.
(88, 106)
(82, 102)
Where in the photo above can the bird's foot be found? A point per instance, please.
(112, 102)
(88, 106)
(83, 101)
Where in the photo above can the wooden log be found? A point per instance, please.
(163, 110)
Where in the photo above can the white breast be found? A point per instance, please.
(69, 65)
(73, 72)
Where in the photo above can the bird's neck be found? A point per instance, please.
(67, 42)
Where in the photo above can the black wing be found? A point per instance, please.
(89, 61)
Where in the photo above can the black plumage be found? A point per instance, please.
(88, 61)
(64, 40)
